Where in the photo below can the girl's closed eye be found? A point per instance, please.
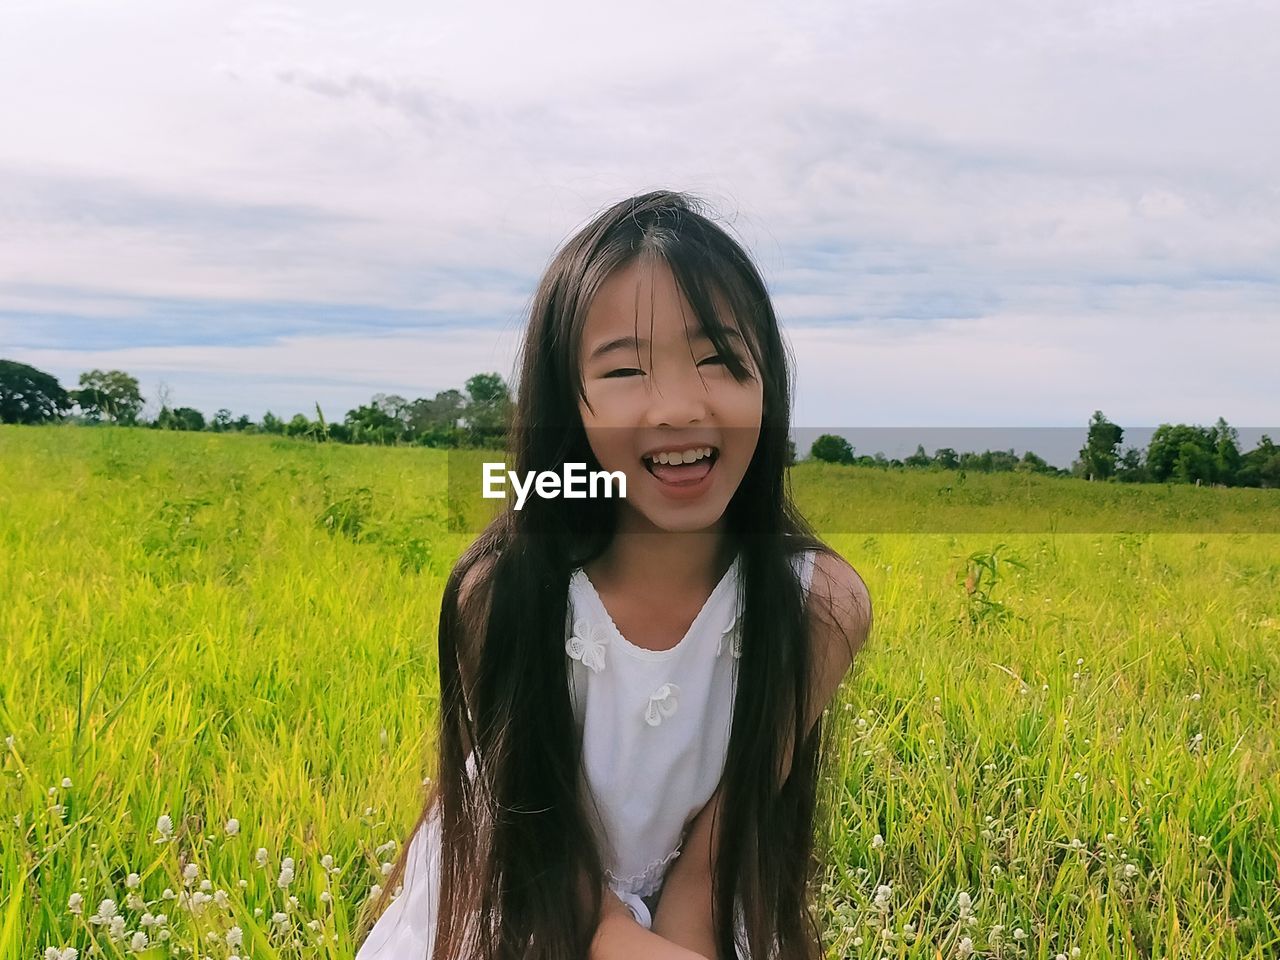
(714, 358)
(627, 371)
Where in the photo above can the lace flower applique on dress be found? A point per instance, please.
(587, 643)
(662, 703)
(734, 634)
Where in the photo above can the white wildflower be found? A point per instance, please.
(106, 910)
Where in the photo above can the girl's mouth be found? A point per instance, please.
(673, 474)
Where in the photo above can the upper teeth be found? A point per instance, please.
(686, 456)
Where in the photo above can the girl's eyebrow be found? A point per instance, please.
(632, 343)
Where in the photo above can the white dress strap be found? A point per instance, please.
(804, 564)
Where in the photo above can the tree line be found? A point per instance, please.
(1176, 453)
(479, 416)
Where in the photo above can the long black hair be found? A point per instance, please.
(522, 874)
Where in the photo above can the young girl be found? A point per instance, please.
(622, 679)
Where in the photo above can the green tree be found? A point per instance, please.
(445, 409)
(271, 423)
(221, 421)
(1260, 467)
(1226, 452)
(919, 458)
(397, 408)
(1130, 468)
(179, 418)
(1100, 451)
(300, 426)
(488, 410)
(110, 395)
(831, 449)
(28, 395)
(1195, 464)
(946, 458)
(372, 424)
(1170, 442)
(1033, 463)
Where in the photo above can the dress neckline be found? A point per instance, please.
(589, 589)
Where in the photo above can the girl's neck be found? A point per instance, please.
(665, 563)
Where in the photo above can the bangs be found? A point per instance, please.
(721, 301)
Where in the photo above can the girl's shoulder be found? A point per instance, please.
(840, 607)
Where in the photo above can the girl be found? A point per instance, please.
(622, 679)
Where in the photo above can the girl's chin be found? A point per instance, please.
(675, 518)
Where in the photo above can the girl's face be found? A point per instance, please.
(645, 410)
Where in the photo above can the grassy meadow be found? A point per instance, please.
(218, 681)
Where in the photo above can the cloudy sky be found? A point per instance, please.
(968, 213)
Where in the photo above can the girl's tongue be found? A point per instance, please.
(681, 473)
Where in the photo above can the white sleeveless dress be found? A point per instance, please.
(655, 727)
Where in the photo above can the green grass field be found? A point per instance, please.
(1076, 751)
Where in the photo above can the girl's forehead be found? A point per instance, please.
(636, 295)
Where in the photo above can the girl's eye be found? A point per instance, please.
(623, 371)
(721, 358)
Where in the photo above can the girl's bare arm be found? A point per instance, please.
(683, 914)
(619, 937)
(843, 607)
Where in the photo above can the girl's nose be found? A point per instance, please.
(676, 398)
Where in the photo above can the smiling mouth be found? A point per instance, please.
(682, 473)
